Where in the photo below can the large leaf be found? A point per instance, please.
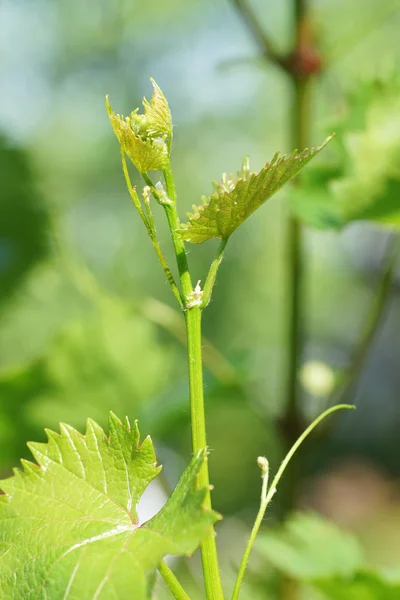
(236, 198)
(362, 181)
(68, 524)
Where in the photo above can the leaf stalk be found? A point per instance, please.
(151, 230)
(212, 273)
(267, 493)
(172, 582)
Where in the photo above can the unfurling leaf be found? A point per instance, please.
(69, 526)
(236, 198)
(146, 138)
(157, 115)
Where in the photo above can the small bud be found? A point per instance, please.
(146, 194)
(263, 464)
(162, 194)
(196, 298)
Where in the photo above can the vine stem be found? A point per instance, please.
(172, 582)
(212, 578)
(192, 311)
(300, 127)
(267, 493)
(177, 240)
(259, 35)
(171, 320)
(151, 230)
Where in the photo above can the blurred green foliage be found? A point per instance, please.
(23, 219)
(362, 183)
(66, 353)
(312, 550)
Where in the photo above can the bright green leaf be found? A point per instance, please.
(310, 548)
(236, 198)
(68, 524)
(146, 138)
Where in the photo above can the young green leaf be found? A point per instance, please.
(236, 198)
(146, 138)
(157, 115)
(69, 526)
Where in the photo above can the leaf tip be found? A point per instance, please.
(108, 106)
(114, 421)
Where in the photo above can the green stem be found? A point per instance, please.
(373, 321)
(177, 240)
(267, 494)
(300, 126)
(172, 582)
(132, 191)
(169, 205)
(212, 579)
(212, 273)
(151, 230)
(171, 320)
(294, 250)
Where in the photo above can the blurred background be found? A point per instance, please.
(87, 322)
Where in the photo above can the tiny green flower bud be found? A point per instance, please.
(263, 464)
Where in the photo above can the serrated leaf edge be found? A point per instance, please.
(277, 159)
